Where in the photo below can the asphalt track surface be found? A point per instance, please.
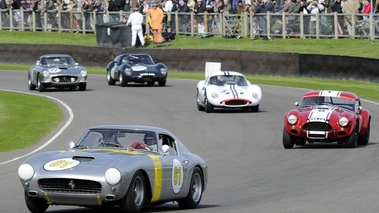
(249, 170)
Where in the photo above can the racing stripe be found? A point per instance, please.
(158, 177)
(234, 91)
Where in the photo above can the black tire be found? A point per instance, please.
(300, 142)
(351, 141)
(162, 83)
(40, 85)
(110, 80)
(83, 87)
(195, 192)
(288, 140)
(35, 204)
(208, 107)
(134, 199)
(31, 86)
(123, 83)
(363, 140)
(199, 107)
(254, 108)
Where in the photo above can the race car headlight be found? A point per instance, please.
(46, 74)
(112, 176)
(292, 119)
(128, 71)
(343, 121)
(255, 95)
(83, 73)
(25, 172)
(163, 71)
(214, 95)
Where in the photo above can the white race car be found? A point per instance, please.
(227, 89)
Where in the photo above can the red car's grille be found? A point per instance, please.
(75, 186)
(235, 102)
(317, 126)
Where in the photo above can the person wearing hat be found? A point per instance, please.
(156, 18)
(135, 20)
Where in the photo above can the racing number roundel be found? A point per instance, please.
(177, 176)
(61, 164)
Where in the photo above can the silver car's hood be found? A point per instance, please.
(64, 69)
(85, 157)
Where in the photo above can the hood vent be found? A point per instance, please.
(83, 158)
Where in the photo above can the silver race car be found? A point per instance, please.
(57, 70)
(116, 165)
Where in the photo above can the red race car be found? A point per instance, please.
(327, 116)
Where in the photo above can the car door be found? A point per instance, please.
(175, 169)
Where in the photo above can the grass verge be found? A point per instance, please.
(26, 119)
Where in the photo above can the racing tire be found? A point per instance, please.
(110, 80)
(134, 199)
(83, 87)
(162, 83)
(208, 107)
(123, 83)
(30, 84)
(300, 142)
(195, 192)
(254, 108)
(351, 141)
(363, 140)
(288, 140)
(35, 204)
(150, 83)
(199, 107)
(40, 85)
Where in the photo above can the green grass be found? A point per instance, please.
(26, 119)
(345, 46)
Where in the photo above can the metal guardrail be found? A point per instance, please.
(279, 25)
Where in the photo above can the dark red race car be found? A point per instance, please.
(327, 116)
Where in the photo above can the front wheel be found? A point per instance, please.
(30, 84)
(110, 80)
(208, 107)
(195, 192)
(351, 141)
(135, 197)
(363, 140)
(254, 108)
(162, 83)
(123, 83)
(83, 87)
(288, 140)
(199, 107)
(40, 85)
(35, 204)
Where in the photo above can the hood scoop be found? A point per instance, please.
(83, 158)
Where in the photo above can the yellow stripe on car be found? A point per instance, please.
(158, 177)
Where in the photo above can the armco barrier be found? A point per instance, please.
(248, 62)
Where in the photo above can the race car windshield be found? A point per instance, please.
(334, 101)
(221, 80)
(57, 61)
(115, 138)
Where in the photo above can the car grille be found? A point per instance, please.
(75, 186)
(317, 126)
(65, 78)
(235, 102)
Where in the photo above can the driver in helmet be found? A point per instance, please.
(149, 142)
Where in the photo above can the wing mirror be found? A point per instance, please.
(296, 103)
(165, 148)
(71, 145)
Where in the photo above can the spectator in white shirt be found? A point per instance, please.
(135, 20)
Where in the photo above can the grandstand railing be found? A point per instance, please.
(278, 25)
